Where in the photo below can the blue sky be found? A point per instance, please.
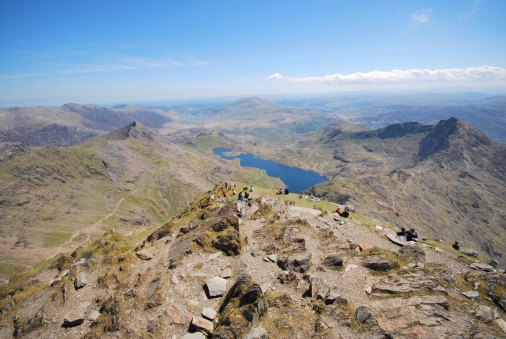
(109, 51)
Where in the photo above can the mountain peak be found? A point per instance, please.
(452, 134)
(135, 130)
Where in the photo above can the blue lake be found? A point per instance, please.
(295, 178)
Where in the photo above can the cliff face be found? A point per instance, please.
(260, 269)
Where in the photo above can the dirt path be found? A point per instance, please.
(90, 229)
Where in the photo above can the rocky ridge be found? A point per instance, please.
(258, 269)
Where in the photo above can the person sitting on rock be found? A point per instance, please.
(411, 235)
(346, 213)
(338, 211)
(251, 189)
(241, 196)
(456, 245)
(402, 233)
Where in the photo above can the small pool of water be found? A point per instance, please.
(295, 179)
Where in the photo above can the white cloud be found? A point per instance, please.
(402, 76)
(421, 16)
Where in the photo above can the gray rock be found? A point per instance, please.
(296, 263)
(482, 267)
(209, 313)
(406, 283)
(216, 286)
(365, 316)
(272, 257)
(315, 284)
(469, 252)
(255, 333)
(376, 263)
(333, 261)
(195, 335)
(202, 324)
(484, 313)
(77, 315)
(226, 273)
(414, 253)
(80, 281)
(144, 255)
(471, 294)
(77, 263)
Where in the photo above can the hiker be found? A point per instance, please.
(234, 192)
(280, 191)
(241, 196)
(287, 190)
(224, 191)
(338, 211)
(300, 196)
(346, 213)
(251, 189)
(456, 245)
(402, 233)
(246, 195)
(411, 235)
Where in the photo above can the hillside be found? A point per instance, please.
(446, 181)
(267, 268)
(70, 124)
(55, 198)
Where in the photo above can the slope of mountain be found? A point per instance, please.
(267, 268)
(70, 124)
(52, 198)
(447, 181)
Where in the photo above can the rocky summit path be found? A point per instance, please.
(258, 269)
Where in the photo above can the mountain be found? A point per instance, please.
(53, 198)
(447, 181)
(70, 124)
(266, 268)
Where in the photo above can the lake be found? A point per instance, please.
(295, 179)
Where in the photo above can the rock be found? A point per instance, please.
(333, 261)
(244, 305)
(216, 287)
(79, 262)
(229, 243)
(277, 205)
(296, 263)
(256, 333)
(493, 262)
(76, 316)
(471, 294)
(469, 252)
(414, 253)
(365, 316)
(350, 267)
(209, 313)
(246, 209)
(215, 255)
(502, 324)
(226, 273)
(194, 335)
(80, 281)
(144, 254)
(94, 316)
(376, 263)
(406, 283)
(482, 267)
(178, 314)
(287, 277)
(201, 324)
(484, 313)
(364, 246)
(315, 283)
(272, 257)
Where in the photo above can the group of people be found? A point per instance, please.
(344, 214)
(408, 235)
(285, 190)
(243, 194)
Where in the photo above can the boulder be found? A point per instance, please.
(414, 253)
(482, 267)
(178, 314)
(471, 295)
(333, 261)
(229, 243)
(80, 281)
(406, 283)
(377, 263)
(296, 263)
(77, 315)
(216, 287)
(144, 254)
(194, 335)
(201, 324)
(256, 333)
(469, 252)
(364, 316)
(484, 313)
(209, 313)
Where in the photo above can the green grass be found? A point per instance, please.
(52, 239)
